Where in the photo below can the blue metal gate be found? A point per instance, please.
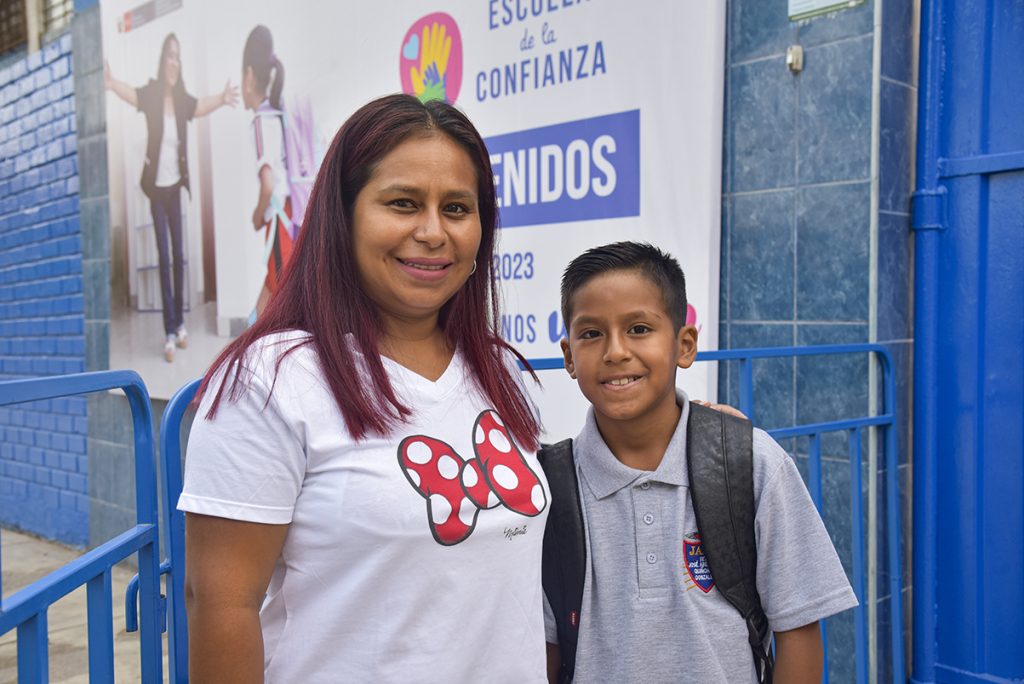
(968, 216)
(855, 428)
(26, 610)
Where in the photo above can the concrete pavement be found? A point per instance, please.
(25, 559)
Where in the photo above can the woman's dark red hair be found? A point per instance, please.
(321, 293)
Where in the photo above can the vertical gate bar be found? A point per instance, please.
(174, 531)
(100, 598)
(33, 651)
(150, 643)
(892, 504)
(814, 482)
(895, 562)
(824, 651)
(814, 470)
(747, 386)
(860, 629)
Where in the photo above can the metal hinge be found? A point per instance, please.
(928, 209)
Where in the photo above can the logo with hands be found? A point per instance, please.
(430, 62)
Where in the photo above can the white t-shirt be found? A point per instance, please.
(268, 138)
(167, 171)
(389, 571)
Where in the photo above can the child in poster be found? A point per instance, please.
(262, 83)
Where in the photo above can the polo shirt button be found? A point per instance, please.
(652, 558)
(648, 518)
(645, 485)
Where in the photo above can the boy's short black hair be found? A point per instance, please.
(644, 258)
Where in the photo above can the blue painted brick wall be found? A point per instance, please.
(44, 485)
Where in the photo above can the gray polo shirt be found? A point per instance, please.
(650, 610)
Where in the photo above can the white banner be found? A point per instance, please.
(603, 119)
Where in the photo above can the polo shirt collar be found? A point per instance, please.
(606, 475)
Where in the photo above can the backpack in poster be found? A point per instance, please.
(301, 156)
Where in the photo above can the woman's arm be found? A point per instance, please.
(228, 96)
(228, 564)
(120, 88)
(798, 655)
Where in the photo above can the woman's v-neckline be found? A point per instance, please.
(450, 379)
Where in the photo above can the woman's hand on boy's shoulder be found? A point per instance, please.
(724, 408)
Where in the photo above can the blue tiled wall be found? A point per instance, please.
(43, 461)
(796, 207)
(797, 230)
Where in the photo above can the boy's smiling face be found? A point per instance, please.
(623, 349)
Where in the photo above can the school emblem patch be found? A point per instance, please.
(697, 570)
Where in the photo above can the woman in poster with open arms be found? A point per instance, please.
(168, 107)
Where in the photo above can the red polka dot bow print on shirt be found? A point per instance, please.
(457, 488)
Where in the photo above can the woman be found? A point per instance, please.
(168, 108)
(365, 452)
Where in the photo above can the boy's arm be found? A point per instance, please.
(798, 655)
(553, 663)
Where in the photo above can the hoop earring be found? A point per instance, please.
(474, 268)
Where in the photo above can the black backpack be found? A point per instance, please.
(719, 451)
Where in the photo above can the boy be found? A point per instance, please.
(641, 620)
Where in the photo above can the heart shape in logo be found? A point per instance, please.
(411, 49)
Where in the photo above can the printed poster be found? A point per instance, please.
(603, 120)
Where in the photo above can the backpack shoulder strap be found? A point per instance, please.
(719, 457)
(565, 551)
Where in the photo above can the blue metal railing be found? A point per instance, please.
(886, 421)
(174, 537)
(27, 609)
(171, 479)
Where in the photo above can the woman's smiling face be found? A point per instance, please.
(416, 228)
